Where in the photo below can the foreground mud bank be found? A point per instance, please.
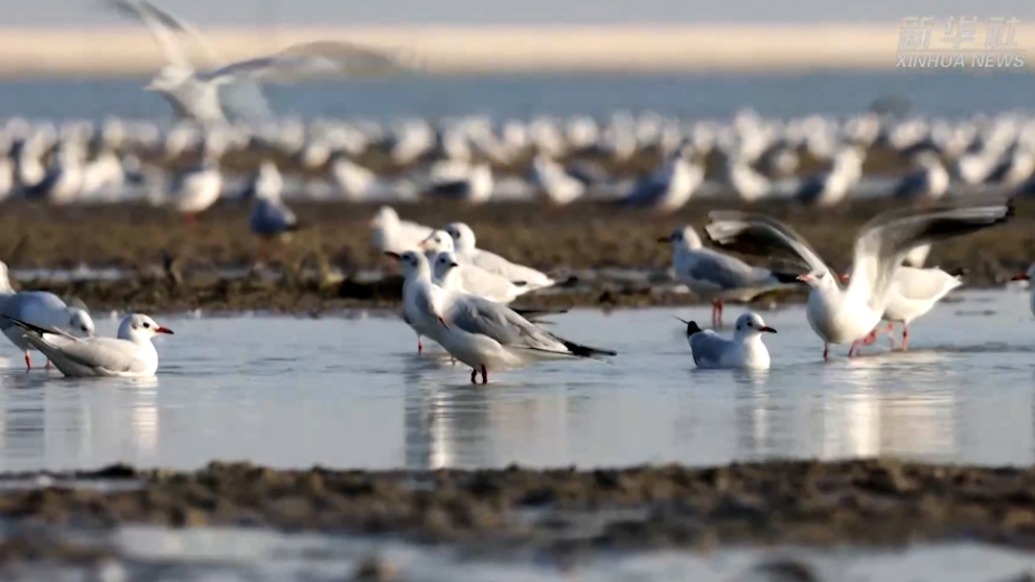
(873, 502)
(605, 256)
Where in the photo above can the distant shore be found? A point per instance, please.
(125, 50)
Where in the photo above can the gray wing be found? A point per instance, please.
(757, 234)
(310, 60)
(483, 317)
(103, 353)
(271, 218)
(37, 308)
(707, 348)
(887, 238)
(725, 271)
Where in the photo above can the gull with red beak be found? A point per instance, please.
(1027, 276)
(421, 297)
(130, 355)
(745, 351)
(841, 315)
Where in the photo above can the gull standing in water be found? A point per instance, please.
(745, 351)
(38, 308)
(716, 276)
(130, 355)
(489, 336)
(844, 315)
(466, 248)
(912, 294)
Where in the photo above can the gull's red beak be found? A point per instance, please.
(395, 256)
(767, 328)
(165, 330)
(845, 277)
(1020, 277)
(805, 278)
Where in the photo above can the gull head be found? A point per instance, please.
(437, 242)
(683, 238)
(140, 327)
(168, 79)
(820, 279)
(444, 263)
(462, 235)
(411, 262)
(80, 323)
(750, 325)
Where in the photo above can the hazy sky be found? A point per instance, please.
(212, 12)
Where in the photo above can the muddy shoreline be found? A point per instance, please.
(171, 267)
(873, 503)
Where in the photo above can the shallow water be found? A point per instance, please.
(351, 392)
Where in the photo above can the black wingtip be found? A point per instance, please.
(958, 273)
(26, 326)
(586, 351)
(784, 277)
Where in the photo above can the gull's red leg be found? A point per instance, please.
(28, 360)
(905, 337)
(485, 375)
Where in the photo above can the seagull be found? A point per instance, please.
(912, 294)
(464, 244)
(421, 298)
(474, 185)
(670, 187)
(448, 273)
(393, 235)
(832, 187)
(194, 95)
(194, 190)
(716, 276)
(843, 315)
(929, 182)
(489, 336)
(39, 308)
(63, 181)
(553, 181)
(270, 218)
(744, 351)
(130, 355)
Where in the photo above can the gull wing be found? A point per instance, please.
(760, 235)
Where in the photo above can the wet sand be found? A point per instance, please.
(563, 512)
(328, 266)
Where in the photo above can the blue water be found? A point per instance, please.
(940, 93)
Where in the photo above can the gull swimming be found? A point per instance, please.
(843, 315)
(130, 355)
(716, 276)
(745, 351)
(489, 336)
(38, 308)
(465, 246)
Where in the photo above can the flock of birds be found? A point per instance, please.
(457, 294)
